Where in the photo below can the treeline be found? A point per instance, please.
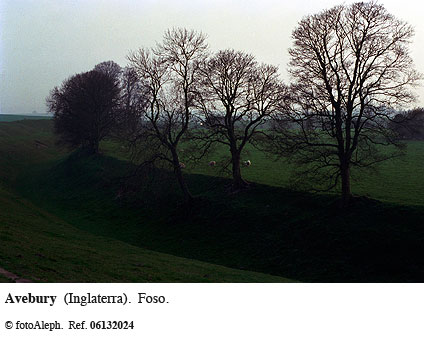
(409, 125)
(350, 67)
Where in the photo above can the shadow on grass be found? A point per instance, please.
(266, 229)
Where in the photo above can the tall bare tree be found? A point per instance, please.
(132, 104)
(236, 97)
(169, 75)
(350, 67)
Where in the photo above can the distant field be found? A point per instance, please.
(16, 117)
(399, 180)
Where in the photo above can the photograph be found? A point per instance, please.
(219, 142)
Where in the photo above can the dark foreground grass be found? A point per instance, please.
(39, 246)
(5, 280)
(265, 229)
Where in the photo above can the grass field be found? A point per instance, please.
(396, 181)
(62, 221)
(40, 246)
(17, 117)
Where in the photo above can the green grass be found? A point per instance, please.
(267, 229)
(4, 279)
(398, 180)
(41, 246)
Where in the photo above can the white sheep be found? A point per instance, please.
(212, 163)
(247, 163)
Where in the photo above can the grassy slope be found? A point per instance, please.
(38, 245)
(4, 280)
(42, 247)
(396, 181)
(266, 229)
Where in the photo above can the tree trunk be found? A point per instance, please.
(180, 178)
(95, 148)
(91, 148)
(238, 181)
(346, 194)
(183, 184)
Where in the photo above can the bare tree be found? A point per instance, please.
(169, 76)
(350, 67)
(132, 104)
(85, 109)
(236, 97)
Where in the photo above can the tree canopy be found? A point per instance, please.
(350, 68)
(84, 109)
(168, 75)
(236, 96)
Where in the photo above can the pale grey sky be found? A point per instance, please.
(43, 42)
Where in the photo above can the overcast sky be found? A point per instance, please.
(43, 42)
